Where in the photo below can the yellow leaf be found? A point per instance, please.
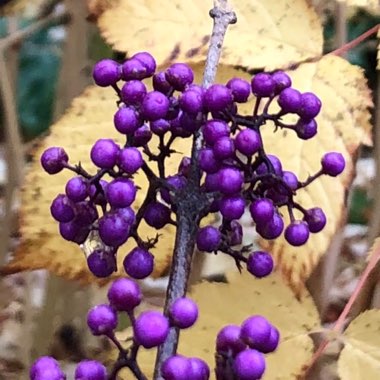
(222, 304)
(360, 358)
(269, 33)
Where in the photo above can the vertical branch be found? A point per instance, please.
(340, 24)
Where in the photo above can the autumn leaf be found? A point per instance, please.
(268, 34)
(243, 296)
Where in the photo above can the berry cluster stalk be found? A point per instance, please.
(188, 215)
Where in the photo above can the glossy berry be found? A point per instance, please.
(260, 264)
(73, 231)
(240, 88)
(297, 233)
(154, 106)
(157, 215)
(217, 98)
(262, 210)
(54, 159)
(272, 343)
(160, 126)
(276, 163)
(248, 142)
(101, 263)
(272, 229)
(290, 179)
(230, 180)
(183, 312)
(249, 365)
(46, 368)
(232, 207)
(134, 69)
(76, 189)
(224, 148)
(179, 75)
(130, 160)
(228, 339)
(86, 213)
(113, 229)
(104, 153)
(255, 330)
(289, 100)
(281, 80)
(138, 263)
(90, 370)
(176, 367)
(214, 130)
(102, 320)
(133, 92)
(142, 135)
(106, 72)
(315, 219)
(62, 209)
(124, 294)
(160, 83)
(263, 85)
(333, 164)
(208, 239)
(207, 161)
(191, 101)
(306, 129)
(151, 328)
(147, 61)
(199, 369)
(310, 106)
(121, 192)
(126, 120)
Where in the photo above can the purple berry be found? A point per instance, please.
(333, 164)
(178, 182)
(157, 215)
(62, 209)
(191, 101)
(102, 319)
(124, 294)
(212, 181)
(208, 161)
(154, 106)
(142, 136)
(138, 263)
(133, 92)
(217, 98)
(297, 233)
(130, 160)
(214, 130)
(106, 72)
(289, 100)
(276, 163)
(90, 370)
(306, 129)
(134, 69)
(281, 80)
(121, 192)
(101, 263)
(76, 189)
(255, 330)
(126, 120)
(54, 159)
(160, 83)
(147, 60)
(290, 179)
(240, 89)
(315, 219)
(310, 106)
(224, 148)
(272, 343)
(235, 234)
(183, 312)
(73, 231)
(249, 365)
(46, 368)
(208, 239)
(260, 264)
(232, 207)
(199, 369)
(262, 210)
(272, 229)
(176, 367)
(160, 126)
(230, 180)
(184, 166)
(151, 329)
(263, 85)
(248, 142)
(228, 339)
(86, 213)
(113, 229)
(104, 153)
(179, 75)
(127, 214)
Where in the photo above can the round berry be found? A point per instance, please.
(86, 213)
(217, 98)
(306, 129)
(154, 106)
(130, 160)
(248, 142)
(249, 365)
(106, 72)
(263, 85)
(199, 369)
(228, 339)
(262, 210)
(138, 263)
(183, 312)
(126, 120)
(142, 136)
(230, 180)
(121, 192)
(272, 343)
(255, 330)
(290, 179)
(101, 263)
(260, 264)
(289, 100)
(224, 148)
(281, 81)
(147, 61)
(124, 294)
(151, 329)
(276, 163)
(297, 233)
(208, 161)
(102, 319)
(104, 153)
(214, 130)
(208, 239)
(191, 101)
(134, 69)
(160, 83)
(160, 126)
(62, 209)
(333, 164)
(113, 229)
(272, 229)
(315, 219)
(46, 368)
(54, 159)
(179, 75)
(310, 106)
(232, 207)
(90, 370)
(176, 367)
(212, 181)
(73, 231)
(178, 182)
(76, 189)
(157, 215)
(133, 92)
(240, 89)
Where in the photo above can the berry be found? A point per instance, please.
(199, 369)
(208, 239)
(281, 80)
(104, 153)
(142, 136)
(255, 330)
(212, 182)
(310, 106)
(121, 192)
(76, 189)
(126, 120)
(127, 214)
(191, 101)
(54, 159)
(113, 229)
(134, 69)
(262, 210)
(230, 180)
(224, 148)
(184, 125)
(86, 213)
(138, 263)
(208, 161)
(147, 60)
(249, 365)
(124, 294)
(106, 72)
(260, 264)
(240, 89)
(248, 142)
(217, 98)
(228, 339)
(157, 215)
(179, 75)
(272, 229)
(333, 164)
(133, 92)
(235, 235)
(183, 312)
(306, 129)
(315, 219)
(232, 207)
(160, 83)
(276, 163)
(289, 100)
(176, 367)
(101, 263)
(154, 106)
(73, 231)
(130, 160)
(46, 368)
(62, 209)
(90, 370)
(290, 179)
(177, 181)
(160, 126)
(271, 344)
(151, 329)
(214, 130)
(297, 233)
(263, 85)
(102, 319)
(184, 166)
